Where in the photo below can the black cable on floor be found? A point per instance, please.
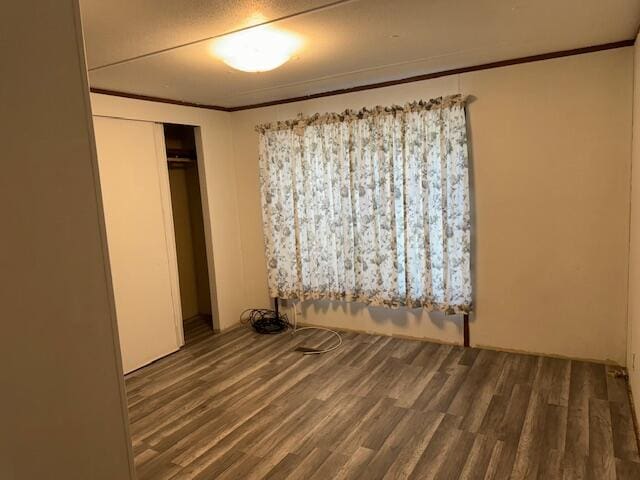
(265, 321)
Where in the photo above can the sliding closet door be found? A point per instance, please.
(137, 204)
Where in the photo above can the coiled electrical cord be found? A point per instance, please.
(314, 351)
(265, 321)
(268, 322)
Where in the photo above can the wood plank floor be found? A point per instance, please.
(244, 406)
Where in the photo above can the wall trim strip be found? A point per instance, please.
(137, 96)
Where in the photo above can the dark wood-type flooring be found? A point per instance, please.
(239, 405)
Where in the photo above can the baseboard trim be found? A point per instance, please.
(609, 363)
(460, 344)
(634, 416)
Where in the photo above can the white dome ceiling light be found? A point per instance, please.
(257, 49)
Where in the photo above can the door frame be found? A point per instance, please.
(204, 172)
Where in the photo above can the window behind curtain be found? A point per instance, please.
(369, 206)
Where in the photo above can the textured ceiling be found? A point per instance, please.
(116, 30)
(346, 44)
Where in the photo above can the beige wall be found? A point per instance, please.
(62, 412)
(550, 148)
(218, 189)
(633, 352)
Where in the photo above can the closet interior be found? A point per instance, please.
(186, 206)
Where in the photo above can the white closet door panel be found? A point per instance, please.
(134, 183)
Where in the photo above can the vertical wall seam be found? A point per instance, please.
(236, 186)
(630, 212)
(630, 218)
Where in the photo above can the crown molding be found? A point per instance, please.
(148, 98)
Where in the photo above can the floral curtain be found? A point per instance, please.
(369, 206)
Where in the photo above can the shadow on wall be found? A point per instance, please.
(400, 317)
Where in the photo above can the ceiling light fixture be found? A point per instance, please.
(257, 49)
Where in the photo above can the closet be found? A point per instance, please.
(186, 203)
(158, 262)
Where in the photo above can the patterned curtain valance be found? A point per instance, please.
(369, 206)
(318, 119)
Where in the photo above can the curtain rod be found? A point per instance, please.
(317, 119)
